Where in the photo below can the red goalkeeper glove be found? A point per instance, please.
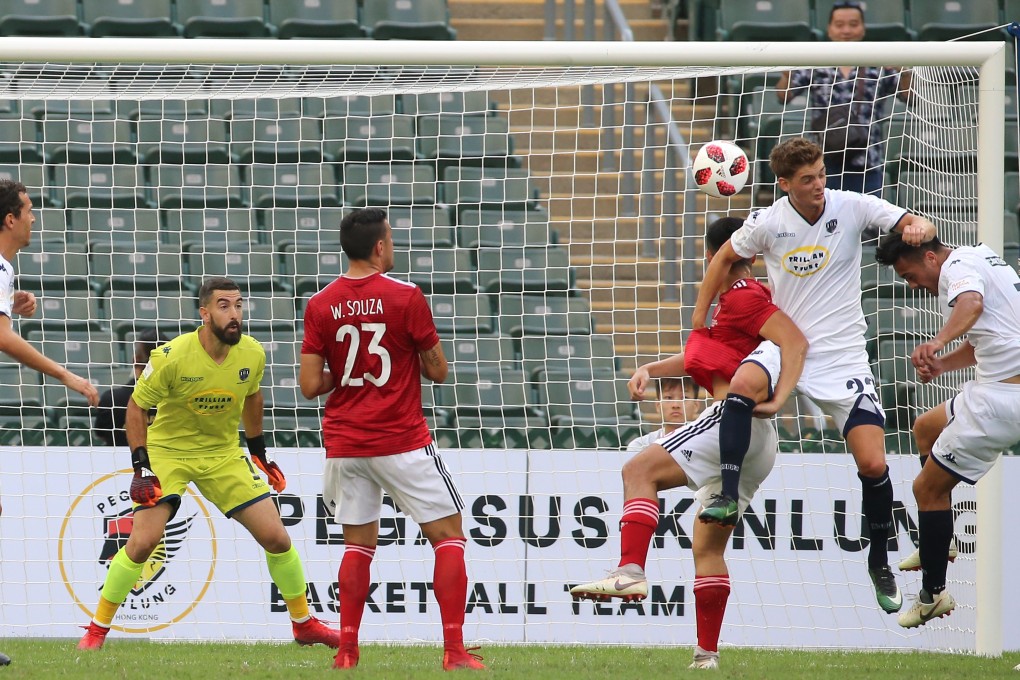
(257, 449)
(145, 486)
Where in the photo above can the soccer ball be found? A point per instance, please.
(721, 169)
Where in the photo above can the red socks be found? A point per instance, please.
(638, 524)
(354, 581)
(710, 595)
(450, 584)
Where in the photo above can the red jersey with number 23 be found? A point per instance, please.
(717, 350)
(370, 331)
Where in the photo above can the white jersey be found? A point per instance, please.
(6, 287)
(645, 440)
(996, 333)
(815, 268)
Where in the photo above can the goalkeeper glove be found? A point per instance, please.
(257, 449)
(145, 486)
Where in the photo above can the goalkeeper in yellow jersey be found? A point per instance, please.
(202, 385)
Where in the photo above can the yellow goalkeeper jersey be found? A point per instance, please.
(198, 402)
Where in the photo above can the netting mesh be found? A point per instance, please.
(546, 214)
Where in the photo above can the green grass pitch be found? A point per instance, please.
(135, 660)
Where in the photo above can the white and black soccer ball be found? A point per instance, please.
(721, 169)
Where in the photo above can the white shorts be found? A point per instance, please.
(768, 356)
(417, 481)
(840, 385)
(984, 421)
(695, 448)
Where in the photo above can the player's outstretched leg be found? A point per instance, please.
(627, 581)
(734, 440)
(926, 608)
(877, 501)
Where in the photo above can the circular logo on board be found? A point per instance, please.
(174, 579)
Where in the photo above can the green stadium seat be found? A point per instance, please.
(168, 109)
(437, 271)
(66, 109)
(499, 228)
(433, 103)
(894, 366)
(369, 138)
(276, 140)
(64, 406)
(885, 20)
(72, 311)
(87, 141)
(461, 315)
(171, 315)
(948, 19)
(51, 226)
(315, 19)
(21, 428)
(479, 353)
(129, 18)
(937, 191)
(303, 260)
(282, 349)
(407, 20)
(291, 431)
(137, 271)
(77, 347)
(576, 356)
(765, 20)
(268, 316)
(18, 142)
(189, 140)
(283, 394)
(22, 389)
(492, 407)
(891, 319)
(386, 184)
(464, 139)
(254, 271)
(197, 186)
(514, 270)
(1010, 227)
(33, 176)
(470, 188)
(543, 315)
(213, 228)
(351, 105)
(294, 184)
(301, 225)
(40, 18)
(589, 413)
(420, 227)
(218, 19)
(268, 108)
(99, 186)
(73, 261)
(138, 228)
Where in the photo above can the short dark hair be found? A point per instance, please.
(213, 284)
(719, 232)
(10, 198)
(360, 230)
(892, 248)
(684, 383)
(846, 5)
(149, 339)
(792, 155)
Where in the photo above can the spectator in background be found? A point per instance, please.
(845, 105)
(109, 423)
(680, 401)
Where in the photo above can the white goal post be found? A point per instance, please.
(544, 503)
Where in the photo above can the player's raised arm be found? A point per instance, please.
(915, 229)
(16, 347)
(670, 367)
(715, 276)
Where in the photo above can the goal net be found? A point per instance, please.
(538, 195)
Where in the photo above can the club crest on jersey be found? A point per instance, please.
(830, 226)
(806, 260)
(243, 374)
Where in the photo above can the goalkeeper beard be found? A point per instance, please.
(229, 334)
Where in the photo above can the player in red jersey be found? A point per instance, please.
(736, 356)
(367, 339)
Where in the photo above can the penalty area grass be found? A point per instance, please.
(48, 658)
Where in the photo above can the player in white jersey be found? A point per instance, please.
(811, 241)
(960, 439)
(16, 219)
(679, 403)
